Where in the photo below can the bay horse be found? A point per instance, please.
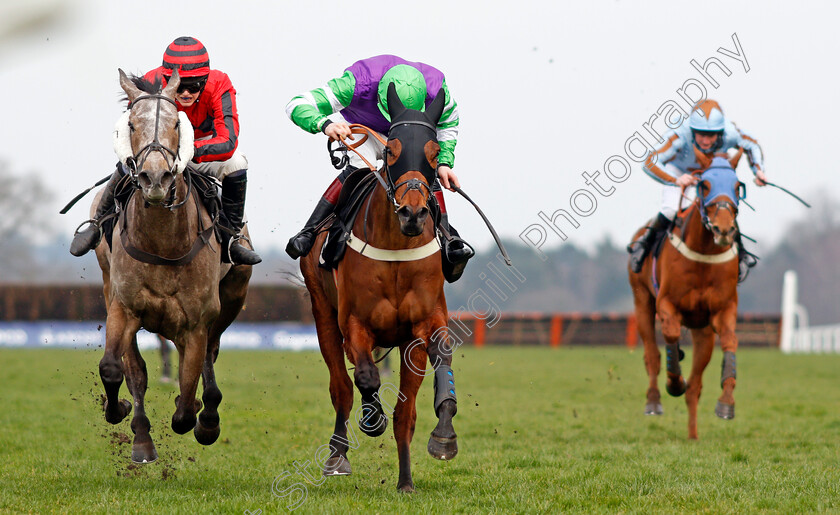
(388, 292)
(692, 283)
(163, 271)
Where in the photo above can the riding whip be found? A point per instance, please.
(82, 194)
(487, 222)
(788, 192)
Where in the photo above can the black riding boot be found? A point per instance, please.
(301, 243)
(455, 251)
(86, 240)
(640, 248)
(233, 204)
(746, 259)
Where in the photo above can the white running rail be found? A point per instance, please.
(797, 335)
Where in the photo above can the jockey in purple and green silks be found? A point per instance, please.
(360, 96)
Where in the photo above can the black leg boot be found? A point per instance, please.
(87, 239)
(301, 243)
(233, 204)
(640, 248)
(455, 252)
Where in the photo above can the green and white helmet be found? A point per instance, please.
(410, 85)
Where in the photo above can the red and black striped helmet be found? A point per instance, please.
(188, 56)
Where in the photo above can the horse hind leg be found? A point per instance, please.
(646, 323)
(143, 448)
(232, 292)
(119, 330)
(704, 344)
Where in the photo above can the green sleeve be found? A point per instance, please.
(309, 111)
(448, 129)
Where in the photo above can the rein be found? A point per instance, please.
(390, 188)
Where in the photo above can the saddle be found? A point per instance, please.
(355, 190)
(207, 188)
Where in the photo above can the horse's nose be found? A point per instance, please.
(412, 219)
(155, 184)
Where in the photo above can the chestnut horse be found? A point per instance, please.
(692, 283)
(163, 272)
(388, 292)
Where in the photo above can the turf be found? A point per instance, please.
(540, 430)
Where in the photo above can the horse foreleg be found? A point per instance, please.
(646, 324)
(724, 325)
(120, 329)
(341, 388)
(671, 324)
(704, 345)
(143, 448)
(360, 343)
(412, 368)
(443, 442)
(191, 364)
(207, 428)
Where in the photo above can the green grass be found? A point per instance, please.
(540, 430)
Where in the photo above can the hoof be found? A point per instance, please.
(144, 453)
(653, 408)
(373, 422)
(206, 436)
(675, 388)
(407, 488)
(183, 425)
(443, 448)
(337, 466)
(725, 411)
(123, 410)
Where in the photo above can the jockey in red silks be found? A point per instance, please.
(708, 132)
(360, 96)
(209, 100)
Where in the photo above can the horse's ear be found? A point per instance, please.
(435, 109)
(395, 105)
(130, 89)
(704, 188)
(172, 84)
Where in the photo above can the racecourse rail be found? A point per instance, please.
(278, 317)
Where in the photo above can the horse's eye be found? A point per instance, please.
(131, 126)
(432, 150)
(394, 150)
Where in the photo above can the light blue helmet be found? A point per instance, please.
(707, 116)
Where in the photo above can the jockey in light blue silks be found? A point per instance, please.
(708, 132)
(360, 96)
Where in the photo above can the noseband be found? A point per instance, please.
(135, 164)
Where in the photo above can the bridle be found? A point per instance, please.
(387, 183)
(729, 204)
(134, 164)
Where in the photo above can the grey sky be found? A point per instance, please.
(546, 91)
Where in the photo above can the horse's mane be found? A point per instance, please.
(144, 85)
